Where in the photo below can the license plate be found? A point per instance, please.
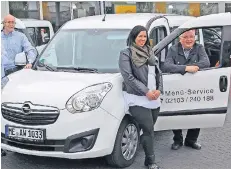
(21, 133)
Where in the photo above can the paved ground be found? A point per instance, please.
(215, 154)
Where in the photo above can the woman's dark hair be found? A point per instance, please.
(134, 33)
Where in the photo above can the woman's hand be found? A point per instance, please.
(156, 94)
(150, 95)
(153, 94)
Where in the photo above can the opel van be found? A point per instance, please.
(70, 104)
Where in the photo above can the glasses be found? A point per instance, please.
(188, 37)
(10, 22)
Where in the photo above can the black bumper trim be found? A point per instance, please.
(81, 135)
(222, 110)
(47, 145)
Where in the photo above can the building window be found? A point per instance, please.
(227, 7)
(119, 7)
(144, 7)
(57, 13)
(24, 9)
(177, 8)
(208, 8)
(82, 9)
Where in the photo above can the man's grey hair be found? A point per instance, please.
(192, 30)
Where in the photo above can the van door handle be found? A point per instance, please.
(223, 83)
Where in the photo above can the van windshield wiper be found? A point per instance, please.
(48, 67)
(80, 69)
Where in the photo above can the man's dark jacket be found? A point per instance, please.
(176, 61)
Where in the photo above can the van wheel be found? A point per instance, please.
(126, 145)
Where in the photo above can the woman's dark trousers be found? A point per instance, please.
(146, 118)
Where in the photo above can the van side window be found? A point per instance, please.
(31, 32)
(217, 45)
(212, 43)
(157, 34)
(41, 33)
(153, 37)
(226, 47)
(37, 34)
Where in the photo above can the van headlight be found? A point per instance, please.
(89, 98)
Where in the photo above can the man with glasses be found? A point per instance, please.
(186, 56)
(15, 42)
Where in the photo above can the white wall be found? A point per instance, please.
(4, 9)
(221, 7)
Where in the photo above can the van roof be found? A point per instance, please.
(212, 20)
(122, 21)
(29, 22)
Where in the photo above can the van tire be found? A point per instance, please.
(117, 159)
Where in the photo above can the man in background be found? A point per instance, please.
(15, 42)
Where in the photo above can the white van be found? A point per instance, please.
(70, 105)
(41, 31)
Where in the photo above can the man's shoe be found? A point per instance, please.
(176, 145)
(153, 166)
(196, 146)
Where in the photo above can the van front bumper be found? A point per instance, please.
(72, 136)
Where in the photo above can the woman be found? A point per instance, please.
(142, 87)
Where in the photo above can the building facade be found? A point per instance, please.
(59, 12)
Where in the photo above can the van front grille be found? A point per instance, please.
(29, 114)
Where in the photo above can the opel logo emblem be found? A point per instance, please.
(26, 108)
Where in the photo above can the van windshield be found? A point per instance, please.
(90, 48)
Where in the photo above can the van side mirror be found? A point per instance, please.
(20, 59)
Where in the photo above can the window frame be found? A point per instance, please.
(158, 39)
(158, 48)
(225, 36)
(220, 55)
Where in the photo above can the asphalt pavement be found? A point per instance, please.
(215, 154)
